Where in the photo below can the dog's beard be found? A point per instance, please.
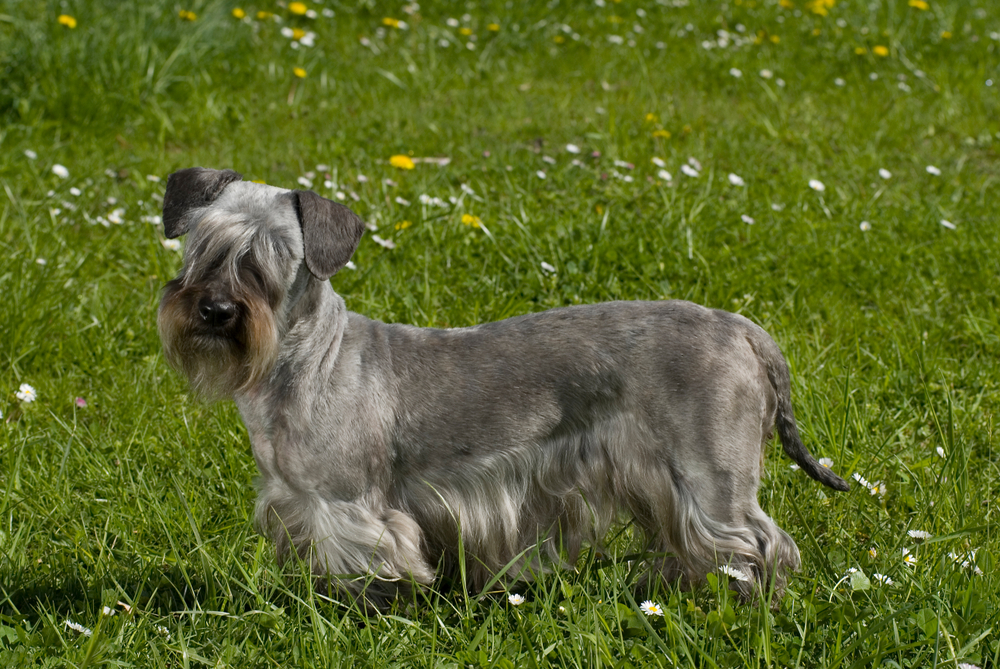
(218, 365)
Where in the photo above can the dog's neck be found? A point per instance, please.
(313, 330)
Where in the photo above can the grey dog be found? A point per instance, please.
(388, 451)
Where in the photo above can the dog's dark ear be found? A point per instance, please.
(188, 189)
(330, 233)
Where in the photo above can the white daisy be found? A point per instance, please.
(693, 162)
(540, 174)
(736, 180)
(31, 155)
(826, 462)
(402, 201)
(817, 185)
(872, 553)
(919, 534)
(839, 82)
(515, 599)
(688, 170)
(766, 74)
(77, 627)
(305, 182)
(883, 579)
(384, 243)
(747, 219)
(171, 244)
(777, 206)
(548, 268)
(659, 162)
(734, 72)
(865, 226)
(738, 574)
(930, 170)
(948, 224)
(60, 171)
(572, 148)
(26, 393)
(665, 175)
(74, 191)
(549, 159)
(909, 558)
(651, 608)
(940, 451)
(884, 173)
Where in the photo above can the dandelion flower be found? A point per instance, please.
(736, 180)
(746, 219)
(493, 27)
(880, 51)
(548, 268)
(67, 20)
(298, 8)
(920, 535)
(299, 72)
(665, 175)
(865, 226)
(515, 599)
(470, 220)
(817, 185)
(689, 171)
(738, 574)
(239, 13)
(171, 244)
(651, 608)
(60, 171)
(186, 15)
(948, 224)
(572, 148)
(884, 173)
(665, 134)
(26, 393)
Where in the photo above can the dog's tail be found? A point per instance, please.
(784, 420)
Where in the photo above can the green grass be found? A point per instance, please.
(144, 496)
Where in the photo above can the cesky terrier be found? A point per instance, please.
(384, 448)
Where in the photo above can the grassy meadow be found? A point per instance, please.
(829, 169)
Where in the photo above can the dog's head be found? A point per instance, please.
(251, 252)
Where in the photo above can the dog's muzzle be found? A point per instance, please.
(217, 315)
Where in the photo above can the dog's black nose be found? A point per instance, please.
(217, 314)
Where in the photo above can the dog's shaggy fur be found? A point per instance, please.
(384, 448)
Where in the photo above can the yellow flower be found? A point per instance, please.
(651, 117)
(391, 22)
(261, 15)
(816, 31)
(821, 7)
(238, 13)
(860, 50)
(299, 72)
(186, 15)
(946, 34)
(67, 20)
(465, 31)
(787, 4)
(615, 19)
(558, 39)
(880, 51)
(297, 8)
(403, 225)
(469, 219)
(298, 33)
(402, 162)
(775, 39)
(919, 4)
(665, 134)
(493, 27)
